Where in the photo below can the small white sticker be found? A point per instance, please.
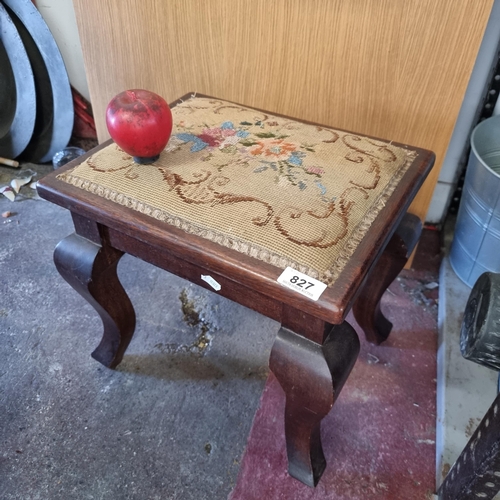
(216, 286)
(300, 282)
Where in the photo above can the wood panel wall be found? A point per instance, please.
(395, 69)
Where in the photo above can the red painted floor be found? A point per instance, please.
(379, 439)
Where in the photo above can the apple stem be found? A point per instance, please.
(132, 94)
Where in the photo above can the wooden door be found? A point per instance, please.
(395, 69)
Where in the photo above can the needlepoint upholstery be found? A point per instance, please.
(274, 188)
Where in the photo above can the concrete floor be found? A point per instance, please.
(171, 422)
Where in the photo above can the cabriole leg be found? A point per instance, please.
(90, 269)
(366, 309)
(312, 376)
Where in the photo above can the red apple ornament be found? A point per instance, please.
(140, 122)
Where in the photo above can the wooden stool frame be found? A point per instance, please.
(315, 348)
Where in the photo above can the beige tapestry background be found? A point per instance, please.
(279, 190)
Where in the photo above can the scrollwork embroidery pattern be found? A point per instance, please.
(310, 193)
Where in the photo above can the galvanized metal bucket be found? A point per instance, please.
(476, 243)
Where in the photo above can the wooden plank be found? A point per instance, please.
(390, 68)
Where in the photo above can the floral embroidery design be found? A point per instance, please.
(294, 187)
(273, 150)
(219, 137)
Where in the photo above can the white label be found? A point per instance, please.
(300, 282)
(216, 286)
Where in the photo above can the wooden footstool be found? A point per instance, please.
(297, 221)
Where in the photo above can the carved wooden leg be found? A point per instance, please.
(91, 270)
(312, 376)
(366, 309)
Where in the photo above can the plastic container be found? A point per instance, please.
(66, 155)
(476, 243)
